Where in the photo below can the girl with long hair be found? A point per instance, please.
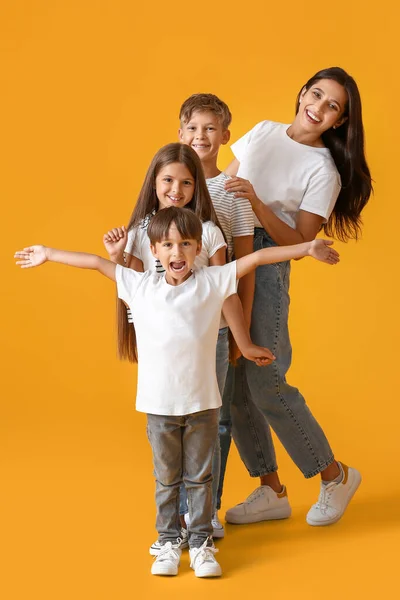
(299, 178)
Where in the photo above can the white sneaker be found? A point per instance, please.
(218, 528)
(156, 547)
(202, 560)
(334, 498)
(168, 559)
(262, 505)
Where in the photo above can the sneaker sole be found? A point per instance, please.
(218, 533)
(268, 515)
(164, 571)
(209, 573)
(156, 551)
(354, 488)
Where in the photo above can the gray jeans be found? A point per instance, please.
(262, 397)
(183, 448)
(222, 448)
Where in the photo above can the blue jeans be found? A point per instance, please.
(183, 449)
(262, 398)
(222, 448)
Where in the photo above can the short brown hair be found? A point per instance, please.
(186, 222)
(203, 102)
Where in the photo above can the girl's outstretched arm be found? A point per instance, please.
(33, 256)
(318, 249)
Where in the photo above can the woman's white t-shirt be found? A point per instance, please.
(176, 332)
(287, 176)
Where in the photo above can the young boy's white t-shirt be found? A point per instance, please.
(176, 331)
(286, 175)
(234, 214)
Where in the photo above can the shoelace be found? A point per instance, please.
(254, 495)
(206, 553)
(169, 550)
(325, 495)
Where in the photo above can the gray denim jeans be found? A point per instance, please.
(262, 398)
(183, 449)
(222, 448)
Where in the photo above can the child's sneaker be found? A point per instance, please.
(262, 505)
(334, 498)
(168, 559)
(156, 547)
(202, 560)
(218, 528)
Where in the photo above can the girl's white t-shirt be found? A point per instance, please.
(287, 176)
(176, 331)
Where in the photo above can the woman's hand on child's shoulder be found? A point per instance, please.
(115, 240)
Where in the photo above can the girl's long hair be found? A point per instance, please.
(146, 205)
(346, 144)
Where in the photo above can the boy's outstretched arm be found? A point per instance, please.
(33, 256)
(318, 249)
(233, 313)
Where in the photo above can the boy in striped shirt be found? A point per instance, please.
(204, 125)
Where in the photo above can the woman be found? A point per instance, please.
(298, 178)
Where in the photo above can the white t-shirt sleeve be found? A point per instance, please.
(128, 282)
(224, 279)
(212, 238)
(240, 146)
(321, 194)
(130, 244)
(242, 218)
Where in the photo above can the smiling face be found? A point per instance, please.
(321, 107)
(205, 134)
(174, 186)
(176, 255)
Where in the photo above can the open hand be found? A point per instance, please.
(33, 256)
(320, 249)
(241, 188)
(261, 356)
(115, 240)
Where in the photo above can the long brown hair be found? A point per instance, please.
(346, 145)
(147, 204)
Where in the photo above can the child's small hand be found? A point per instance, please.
(33, 256)
(320, 249)
(115, 240)
(261, 356)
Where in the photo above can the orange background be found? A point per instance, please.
(90, 91)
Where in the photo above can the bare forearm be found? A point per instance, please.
(117, 258)
(246, 295)
(280, 232)
(276, 254)
(82, 260)
(233, 313)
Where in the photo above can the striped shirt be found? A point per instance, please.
(235, 214)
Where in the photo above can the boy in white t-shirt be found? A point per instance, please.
(204, 126)
(182, 400)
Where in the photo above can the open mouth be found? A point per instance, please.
(201, 146)
(312, 118)
(177, 266)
